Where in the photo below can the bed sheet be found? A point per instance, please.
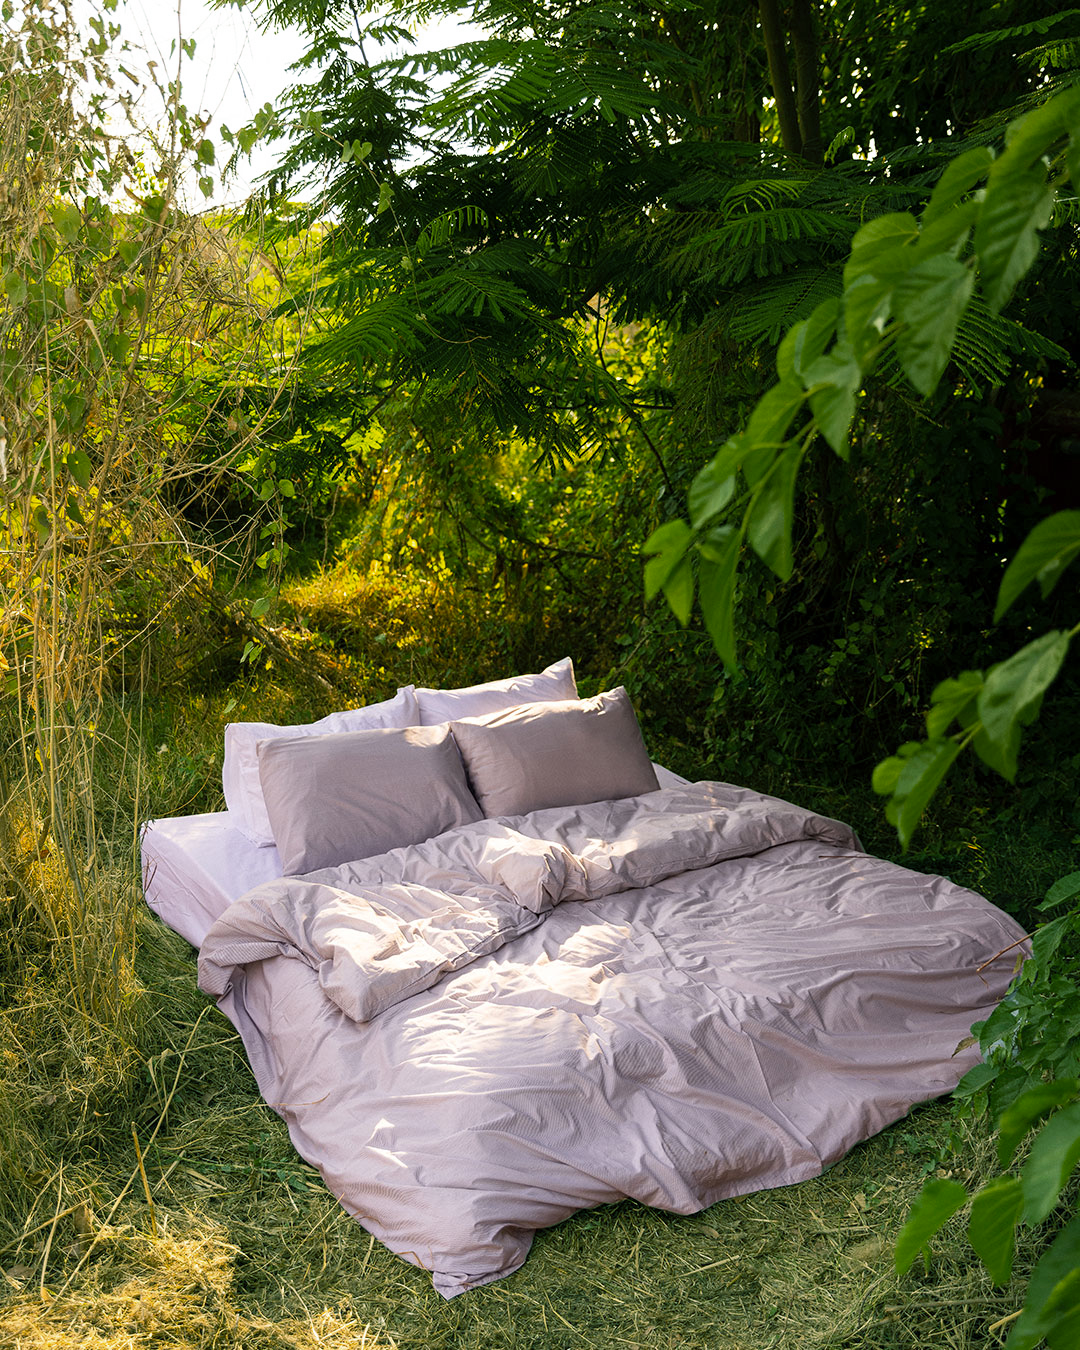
(194, 867)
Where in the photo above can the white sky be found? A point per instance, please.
(234, 71)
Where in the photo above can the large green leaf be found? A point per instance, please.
(1028, 1110)
(1054, 1155)
(1054, 1283)
(958, 178)
(938, 1202)
(768, 426)
(995, 1212)
(1065, 888)
(877, 239)
(948, 233)
(1012, 694)
(714, 485)
(950, 698)
(1043, 556)
(1035, 134)
(912, 777)
(1016, 206)
(669, 542)
(716, 589)
(929, 299)
(769, 527)
(834, 381)
(806, 341)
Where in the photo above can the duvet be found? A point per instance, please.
(676, 997)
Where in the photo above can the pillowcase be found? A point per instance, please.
(352, 794)
(555, 754)
(240, 768)
(443, 705)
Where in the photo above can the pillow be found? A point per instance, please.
(555, 754)
(332, 799)
(240, 768)
(443, 705)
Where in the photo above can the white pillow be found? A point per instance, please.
(554, 684)
(240, 768)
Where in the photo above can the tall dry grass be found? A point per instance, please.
(122, 320)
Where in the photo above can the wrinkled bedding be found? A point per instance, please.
(676, 997)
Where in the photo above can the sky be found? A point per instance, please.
(234, 70)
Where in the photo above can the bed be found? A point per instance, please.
(493, 967)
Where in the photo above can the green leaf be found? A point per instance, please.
(67, 219)
(15, 288)
(386, 196)
(267, 489)
(929, 300)
(1028, 1110)
(42, 523)
(1062, 1311)
(678, 588)
(286, 488)
(769, 528)
(1034, 135)
(949, 699)
(1056, 1275)
(1054, 1154)
(948, 233)
(261, 606)
(995, 1212)
(79, 466)
(867, 306)
(834, 381)
(878, 239)
(1013, 693)
(716, 589)
(206, 186)
(205, 152)
(1048, 938)
(669, 542)
(918, 780)
(806, 341)
(938, 1202)
(768, 426)
(714, 485)
(361, 150)
(976, 1078)
(1016, 206)
(1065, 888)
(959, 177)
(1043, 556)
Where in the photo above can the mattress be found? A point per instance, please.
(194, 867)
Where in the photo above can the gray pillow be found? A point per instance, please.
(555, 754)
(352, 794)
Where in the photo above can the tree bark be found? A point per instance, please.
(806, 79)
(776, 50)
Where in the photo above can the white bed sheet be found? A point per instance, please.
(194, 867)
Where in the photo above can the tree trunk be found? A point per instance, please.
(776, 50)
(806, 79)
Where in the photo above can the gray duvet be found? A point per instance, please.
(676, 997)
